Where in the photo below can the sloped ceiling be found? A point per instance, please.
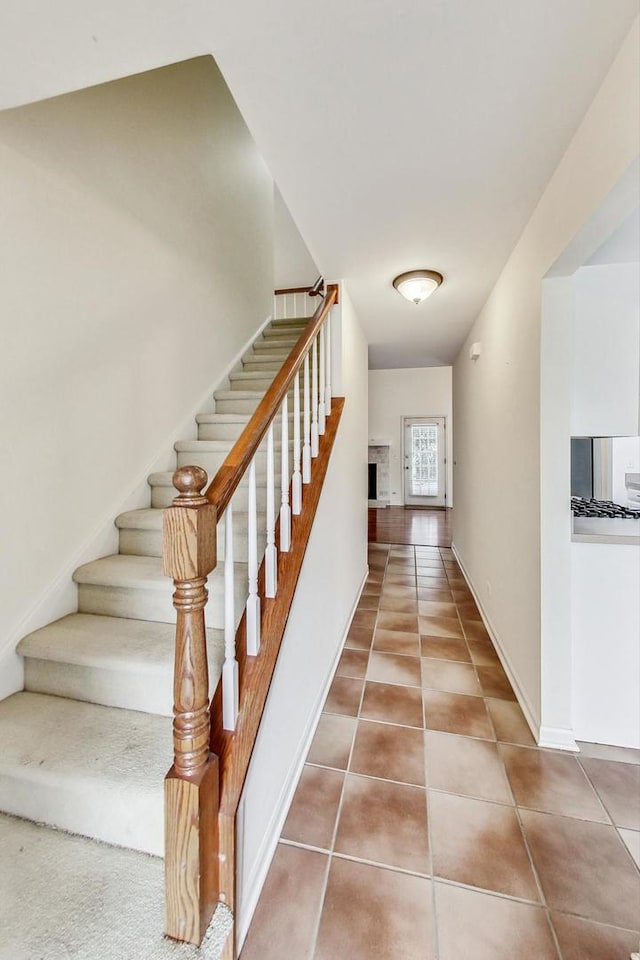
(401, 133)
(415, 133)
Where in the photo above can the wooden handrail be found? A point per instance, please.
(285, 290)
(226, 480)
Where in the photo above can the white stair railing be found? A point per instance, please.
(314, 399)
(312, 378)
(296, 482)
(285, 509)
(322, 407)
(306, 447)
(253, 600)
(230, 682)
(327, 326)
(271, 553)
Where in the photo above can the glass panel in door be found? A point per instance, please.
(424, 461)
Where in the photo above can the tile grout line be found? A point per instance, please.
(334, 834)
(325, 884)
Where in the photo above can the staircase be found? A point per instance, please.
(86, 745)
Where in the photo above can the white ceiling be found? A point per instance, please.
(415, 133)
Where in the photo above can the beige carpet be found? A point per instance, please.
(67, 898)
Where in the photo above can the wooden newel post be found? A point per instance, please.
(191, 786)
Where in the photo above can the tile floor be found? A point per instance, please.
(426, 824)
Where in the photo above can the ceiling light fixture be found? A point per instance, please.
(417, 285)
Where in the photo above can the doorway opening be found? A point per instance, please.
(424, 461)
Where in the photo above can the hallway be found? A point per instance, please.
(426, 824)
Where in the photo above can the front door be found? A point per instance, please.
(424, 462)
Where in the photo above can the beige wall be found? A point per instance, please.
(136, 261)
(496, 402)
(419, 392)
(294, 265)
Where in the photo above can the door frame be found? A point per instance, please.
(405, 420)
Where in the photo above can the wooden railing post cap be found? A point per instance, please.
(190, 482)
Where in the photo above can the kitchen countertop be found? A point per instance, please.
(606, 530)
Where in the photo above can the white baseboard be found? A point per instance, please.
(60, 596)
(558, 738)
(251, 892)
(523, 700)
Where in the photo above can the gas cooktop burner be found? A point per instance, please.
(601, 508)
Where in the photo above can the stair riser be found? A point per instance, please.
(231, 431)
(95, 809)
(141, 603)
(236, 406)
(282, 333)
(274, 345)
(262, 366)
(148, 543)
(244, 404)
(162, 496)
(240, 382)
(279, 322)
(130, 689)
(212, 461)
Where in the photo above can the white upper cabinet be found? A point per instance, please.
(605, 397)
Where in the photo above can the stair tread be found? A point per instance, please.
(277, 356)
(150, 518)
(126, 570)
(119, 570)
(212, 446)
(117, 897)
(238, 394)
(113, 642)
(273, 343)
(145, 518)
(47, 737)
(227, 418)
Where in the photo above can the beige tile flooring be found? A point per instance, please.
(427, 825)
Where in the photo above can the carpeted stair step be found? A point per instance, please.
(141, 534)
(136, 588)
(64, 897)
(266, 367)
(229, 426)
(245, 400)
(285, 344)
(251, 380)
(277, 334)
(163, 492)
(237, 401)
(281, 322)
(93, 770)
(110, 660)
(211, 454)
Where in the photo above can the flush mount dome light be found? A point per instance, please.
(417, 285)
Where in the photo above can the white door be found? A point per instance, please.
(424, 462)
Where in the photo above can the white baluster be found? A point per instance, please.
(296, 480)
(306, 447)
(253, 600)
(314, 399)
(322, 418)
(230, 690)
(271, 554)
(285, 509)
(327, 389)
